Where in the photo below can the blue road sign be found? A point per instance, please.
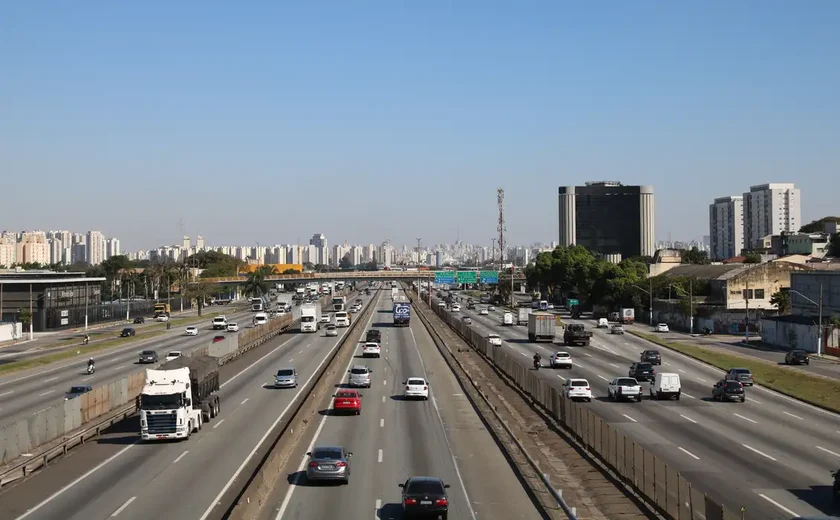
(489, 276)
(445, 277)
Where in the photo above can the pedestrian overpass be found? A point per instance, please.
(406, 276)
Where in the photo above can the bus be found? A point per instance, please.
(257, 305)
(339, 303)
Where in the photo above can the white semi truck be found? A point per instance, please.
(179, 397)
(310, 317)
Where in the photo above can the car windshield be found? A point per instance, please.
(174, 354)
(580, 383)
(414, 382)
(285, 372)
(78, 389)
(425, 487)
(627, 381)
(346, 394)
(359, 371)
(326, 453)
(494, 336)
(148, 353)
(371, 345)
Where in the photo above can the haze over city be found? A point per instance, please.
(397, 121)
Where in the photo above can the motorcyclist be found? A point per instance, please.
(90, 363)
(537, 359)
(87, 339)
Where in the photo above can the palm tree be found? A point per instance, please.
(200, 290)
(255, 285)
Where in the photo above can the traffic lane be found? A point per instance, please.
(818, 367)
(136, 465)
(391, 440)
(25, 398)
(798, 464)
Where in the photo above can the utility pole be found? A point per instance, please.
(418, 267)
(747, 313)
(492, 251)
(691, 305)
(650, 293)
(31, 316)
(819, 325)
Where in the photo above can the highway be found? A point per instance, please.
(117, 476)
(25, 393)
(772, 454)
(825, 367)
(393, 439)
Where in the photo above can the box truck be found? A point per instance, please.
(310, 317)
(541, 326)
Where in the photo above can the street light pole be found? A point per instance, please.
(418, 267)
(650, 293)
(819, 305)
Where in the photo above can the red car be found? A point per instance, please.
(348, 401)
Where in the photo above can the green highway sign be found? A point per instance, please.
(571, 302)
(467, 277)
(445, 277)
(489, 276)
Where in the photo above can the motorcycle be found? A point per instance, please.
(707, 332)
(86, 340)
(91, 369)
(536, 364)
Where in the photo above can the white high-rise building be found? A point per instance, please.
(293, 255)
(356, 255)
(199, 243)
(322, 255)
(32, 248)
(113, 247)
(8, 249)
(95, 247)
(56, 250)
(726, 227)
(770, 209)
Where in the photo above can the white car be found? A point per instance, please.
(491, 308)
(371, 349)
(281, 312)
(662, 327)
(467, 320)
(325, 318)
(617, 329)
(625, 388)
(441, 304)
(416, 387)
(233, 327)
(456, 307)
(175, 354)
(331, 331)
(163, 318)
(577, 389)
(560, 360)
(495, 340)
(484, 312)
(192, 330)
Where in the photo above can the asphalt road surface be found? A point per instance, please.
(773, 454)
(117, 476)
(394, 439)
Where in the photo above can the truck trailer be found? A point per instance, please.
(178, 397)
(541, 326)
(402, 313)
(310, 317)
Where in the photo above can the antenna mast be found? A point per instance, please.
(500, 199)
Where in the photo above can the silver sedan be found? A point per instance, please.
(328, 463)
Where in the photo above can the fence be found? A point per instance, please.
(53, 318)
(61, 420)
(647, 474)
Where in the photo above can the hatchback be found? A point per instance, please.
(662, 327)
(332, 330)
(729, 390)
(359, 376)
(797, 357)
(126, 332)
(192, 330)
(425, 496)
(652, 356)
(286, 378)
(416, 387)
(740, 374)
(328, 463)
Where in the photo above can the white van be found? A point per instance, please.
(603, 323)
(260, 319)
(666, 385)
(341, 319)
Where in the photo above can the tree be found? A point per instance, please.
(834, 245)
(256, 285)
(752, 258)
(291, 271)
(24, 316)
(214, 264)
(781, 299)
(345, 262)
(200, 290)
(817, 226)
(694, 256)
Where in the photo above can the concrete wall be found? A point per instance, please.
(10, 331)
(792, 335)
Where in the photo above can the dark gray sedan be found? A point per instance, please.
(148, 356)
(329, 463)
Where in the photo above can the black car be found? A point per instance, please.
(126, 332)
(148, 356)
(139, 320)
(797, 357)
(76, 391)
(374, 335)
(652, 356)
(425, 496)
(729, 390)
(642, 371)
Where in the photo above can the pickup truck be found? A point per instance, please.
(576, 334)
(625, 388)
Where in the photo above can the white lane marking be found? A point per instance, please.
(378, 507)
(577, 365)
(70, 485)
(587, 354)
(245, 401)
(794, 416)
(780, 506)
(385, 382)
(688, 418)
(681, 370)
(758, 451)
(381, 423)
(702, 380)
(686, 395)
(614, 365)
(218, 424)
(753, 400)
(828, 451)
(50, 379)
(744, 418)
(181, 456)
(7, 393)
(292, 360)
(47, 392)
(127, 503)
(561, 377)
(443, 430)
(602, 377)
(302, 465)
(88, 378)
(379, 457)
(120, 367)
(255, 363)
(523, 354)
(688, 452)
(625, 415)
(41, 410)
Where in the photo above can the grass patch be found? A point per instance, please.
(70, 353)
(819, 391)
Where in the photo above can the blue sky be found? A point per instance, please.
(268, 121)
